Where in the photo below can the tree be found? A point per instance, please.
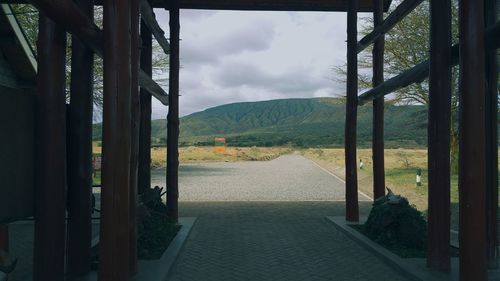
(406, 45)
(27, 16)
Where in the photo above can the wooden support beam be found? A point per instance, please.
(50, 175)
(438, 249)
(492, 142)
(472, 176)
(67, 14)
(352, 208)
(144, 170)
(149, 18)
(114, 244)
(259, 5)
(420, 72)
(378, 106)
(135, 46)
(80, 154)
(396, 16)
(173, 116)
(4, 237)
(416, 74)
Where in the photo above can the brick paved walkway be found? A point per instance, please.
(272, 241)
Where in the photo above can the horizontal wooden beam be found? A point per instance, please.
(396, 16)
(271, 5)
(260, 5)
(152, 87)
(420, 72)
(69, 15)
(149, 18)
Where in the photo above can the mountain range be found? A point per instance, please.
(308, 122)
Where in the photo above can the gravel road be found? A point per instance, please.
(287, 178)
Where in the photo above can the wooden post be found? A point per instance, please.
(378, 106)
(135, 121)
(173, 116)
(471, 180)
(116, 144)
(491, 142)
(4, 237)
(80, 154)
(50, 177)
(352, 210)
(144, 170)
(438, 246)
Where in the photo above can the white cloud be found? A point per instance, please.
(246, 56)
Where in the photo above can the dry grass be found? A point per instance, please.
(400, 168)
(210, 154)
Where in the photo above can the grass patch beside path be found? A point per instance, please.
(210, 154)
(400, 170)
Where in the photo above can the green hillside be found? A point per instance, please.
(299, 122)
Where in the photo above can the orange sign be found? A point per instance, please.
(220, 144)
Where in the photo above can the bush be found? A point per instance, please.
(155, 229)
(396, 224)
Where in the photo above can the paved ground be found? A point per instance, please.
(21, 236)
(287, 178)
(280, 235)
(244, 241)
(268, 240)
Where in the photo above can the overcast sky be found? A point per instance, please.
(235, 56)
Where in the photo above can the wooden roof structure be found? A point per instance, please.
(127, 124)
(262, 5)
(271, 5)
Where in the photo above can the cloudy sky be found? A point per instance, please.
(235, 56)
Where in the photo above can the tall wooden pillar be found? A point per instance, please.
(50, 147)
(4, 237)
(492, 142)
(115, 232)
(80, 154)
(135, 123)
(378, 106)
(472, 176)
(173, 115)
(352, 209)
(144, 170)
(438, 246)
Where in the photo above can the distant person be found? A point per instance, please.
(419, 177)
(361, 164)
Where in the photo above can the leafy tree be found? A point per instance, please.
(27, 15)
(406, 45)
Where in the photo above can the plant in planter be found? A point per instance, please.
(397, 225)
(155, 229)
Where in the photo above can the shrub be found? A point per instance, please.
(396, 224)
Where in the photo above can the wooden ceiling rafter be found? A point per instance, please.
(261, 5)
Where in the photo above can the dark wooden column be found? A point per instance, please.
(471, 180)
(438, 246)
(492, 142)
(50, 177)
(80, 154)
(173, 115)
(351, 194)
(4, 237)
(135, 122)
(144, 171)
(378, 106)
(116, 144)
